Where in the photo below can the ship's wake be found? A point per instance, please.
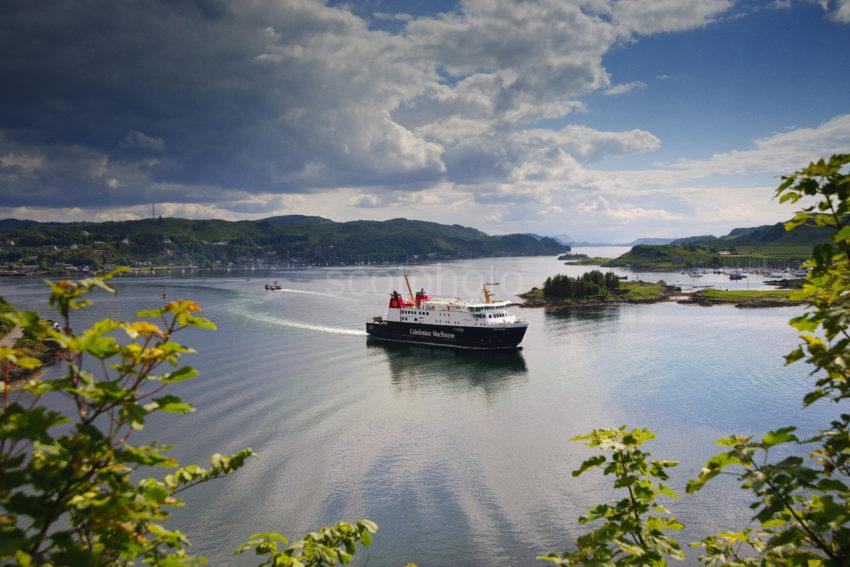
(288, 290)
(301, 325)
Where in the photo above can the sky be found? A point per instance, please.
(600, 119)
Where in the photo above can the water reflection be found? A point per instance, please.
(413, 366)
(594, 313)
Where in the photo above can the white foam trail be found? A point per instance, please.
(313, 293)
(288, 290)
(305, 326)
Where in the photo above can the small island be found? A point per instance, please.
(596, 288)
(588, 261)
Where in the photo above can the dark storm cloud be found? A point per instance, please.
(110, 103)
(191, 93)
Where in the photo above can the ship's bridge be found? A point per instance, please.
(475, 313)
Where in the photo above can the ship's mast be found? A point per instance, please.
(409, 289)
(488, 296)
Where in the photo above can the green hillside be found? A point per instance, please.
(758, 237)
(769, 245)
(276, 241)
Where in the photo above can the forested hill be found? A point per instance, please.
(768, 234)
(767, 245)
(275, 241)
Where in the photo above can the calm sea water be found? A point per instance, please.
(462, 458)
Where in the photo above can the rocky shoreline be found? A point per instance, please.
(754, 303)
(661, 293)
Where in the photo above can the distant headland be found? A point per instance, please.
(30, 247)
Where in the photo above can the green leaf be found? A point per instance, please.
(842, 235)
(179, 375)
(170, 404)
(590, 463)
(780, 436)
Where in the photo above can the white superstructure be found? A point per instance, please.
(455, 311)
(425, 310)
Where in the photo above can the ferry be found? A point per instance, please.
(451, 322)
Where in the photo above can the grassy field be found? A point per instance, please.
(776, 251)
(593, 261)
(642, 291)
(745, 294)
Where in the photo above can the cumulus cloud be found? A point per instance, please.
(135, 140)
(367, 201)
(262, 96)
(298, 96)
(780, 152)
(395, 16)
(841, 11)
(249, 109)
(656, 16)
(624, 88)
(623, 212)
(771, 155)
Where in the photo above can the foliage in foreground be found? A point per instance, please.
(633, 530)
(802, 500)
(68, 492)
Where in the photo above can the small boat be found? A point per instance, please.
(737, 275)
(273, 287)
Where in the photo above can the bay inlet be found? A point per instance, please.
(462, 458)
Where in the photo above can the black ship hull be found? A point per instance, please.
(483, 338)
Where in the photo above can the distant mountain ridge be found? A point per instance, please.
(566, 239)
(766, 245)
(761, 235)
(650, 241)
(296, 219)
(281, 240)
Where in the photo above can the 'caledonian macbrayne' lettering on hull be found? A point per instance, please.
(448, 322)
(468, 337)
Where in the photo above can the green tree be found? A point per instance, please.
(68, 492)
(590, 284)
